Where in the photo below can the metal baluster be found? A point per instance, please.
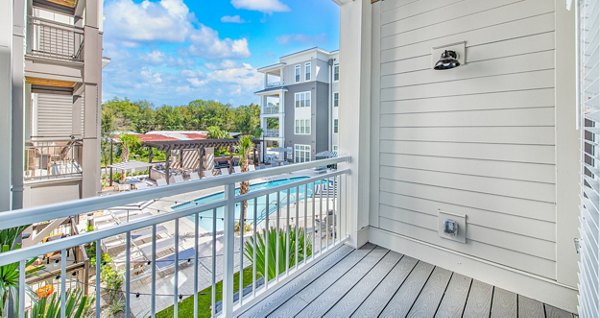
(254, 250)
(287, 233)
(277, 216)
(196, 260)
(242, 232)
(321, 218)
(342, 229)
(228, 249)
(63, 283)
(176, 278)
(327, 215)
(21, 307)
(266, 232)
(98, 278)
(337, 208)
(305, 220)
(128, 275)
(314, 217)
(214, 264)
(296, 224)
(153, 300)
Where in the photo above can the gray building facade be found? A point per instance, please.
(298, 110)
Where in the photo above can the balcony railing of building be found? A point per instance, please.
(275, 84)
(271, 109)
(181, 252)
(52, 158)
(54, 40)
(271, 132)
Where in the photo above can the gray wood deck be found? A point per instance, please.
(376, 282)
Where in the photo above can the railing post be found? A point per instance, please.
(228, 250)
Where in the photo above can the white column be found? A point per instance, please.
(18, 107)
(5, 104)
(92, 77)
(354, 128)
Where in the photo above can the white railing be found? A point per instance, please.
(51, 39)
(274, 84)
(271, 132)
(303, 208)
(271, 109)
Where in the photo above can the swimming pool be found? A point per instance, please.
(261, 202)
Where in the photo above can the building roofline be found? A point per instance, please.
(315, 48)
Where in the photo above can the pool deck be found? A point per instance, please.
(141, 280)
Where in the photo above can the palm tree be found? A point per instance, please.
(245, 147)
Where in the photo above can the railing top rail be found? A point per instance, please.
(14, 218)
(68, 242)
(56, 24)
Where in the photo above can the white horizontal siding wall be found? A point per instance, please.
(54, 115)
(477, 140)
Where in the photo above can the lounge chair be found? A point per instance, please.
(251, 168)
(224, 171)
(161, 182)
(237, 169)
(194, 176)
(141, 185)
(177, 178)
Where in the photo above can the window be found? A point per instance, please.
(336, 72)
(336, 99)
(302, 153)
(302, 126)
(335, 126)
(297, 73)
(302, 99)
(307, 71)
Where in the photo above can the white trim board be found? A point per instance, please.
(528, 285)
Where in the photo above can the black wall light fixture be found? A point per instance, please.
(448, 60)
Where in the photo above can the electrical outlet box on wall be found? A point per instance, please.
(458, 47)
(452, 226)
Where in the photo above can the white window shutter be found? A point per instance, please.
(589, 93)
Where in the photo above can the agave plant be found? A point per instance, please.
(271, 238)
(9, 274)
(76, 305)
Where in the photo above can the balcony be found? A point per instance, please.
(275, 84)
(54, 41)
(271, 109)
(271, 132)
(171, 249)
(52, 158)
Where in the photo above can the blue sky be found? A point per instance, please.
(175, 51)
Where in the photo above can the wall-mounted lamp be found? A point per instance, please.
(448, 60)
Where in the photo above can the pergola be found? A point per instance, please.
(168, 146)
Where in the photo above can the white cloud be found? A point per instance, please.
(150, 77)
(155, 56)
(206, 43)
(169, 21)
(165, 20)
(302, 38)
(240, 77)
(265, 6)
(232, 19)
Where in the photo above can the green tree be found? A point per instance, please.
(247, 120)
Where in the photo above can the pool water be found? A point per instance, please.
(206, 221)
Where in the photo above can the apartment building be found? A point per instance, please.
(53, 57)
(300, 102)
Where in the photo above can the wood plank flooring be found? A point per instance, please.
(376, 282)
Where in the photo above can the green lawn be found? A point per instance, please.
(186, 306)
